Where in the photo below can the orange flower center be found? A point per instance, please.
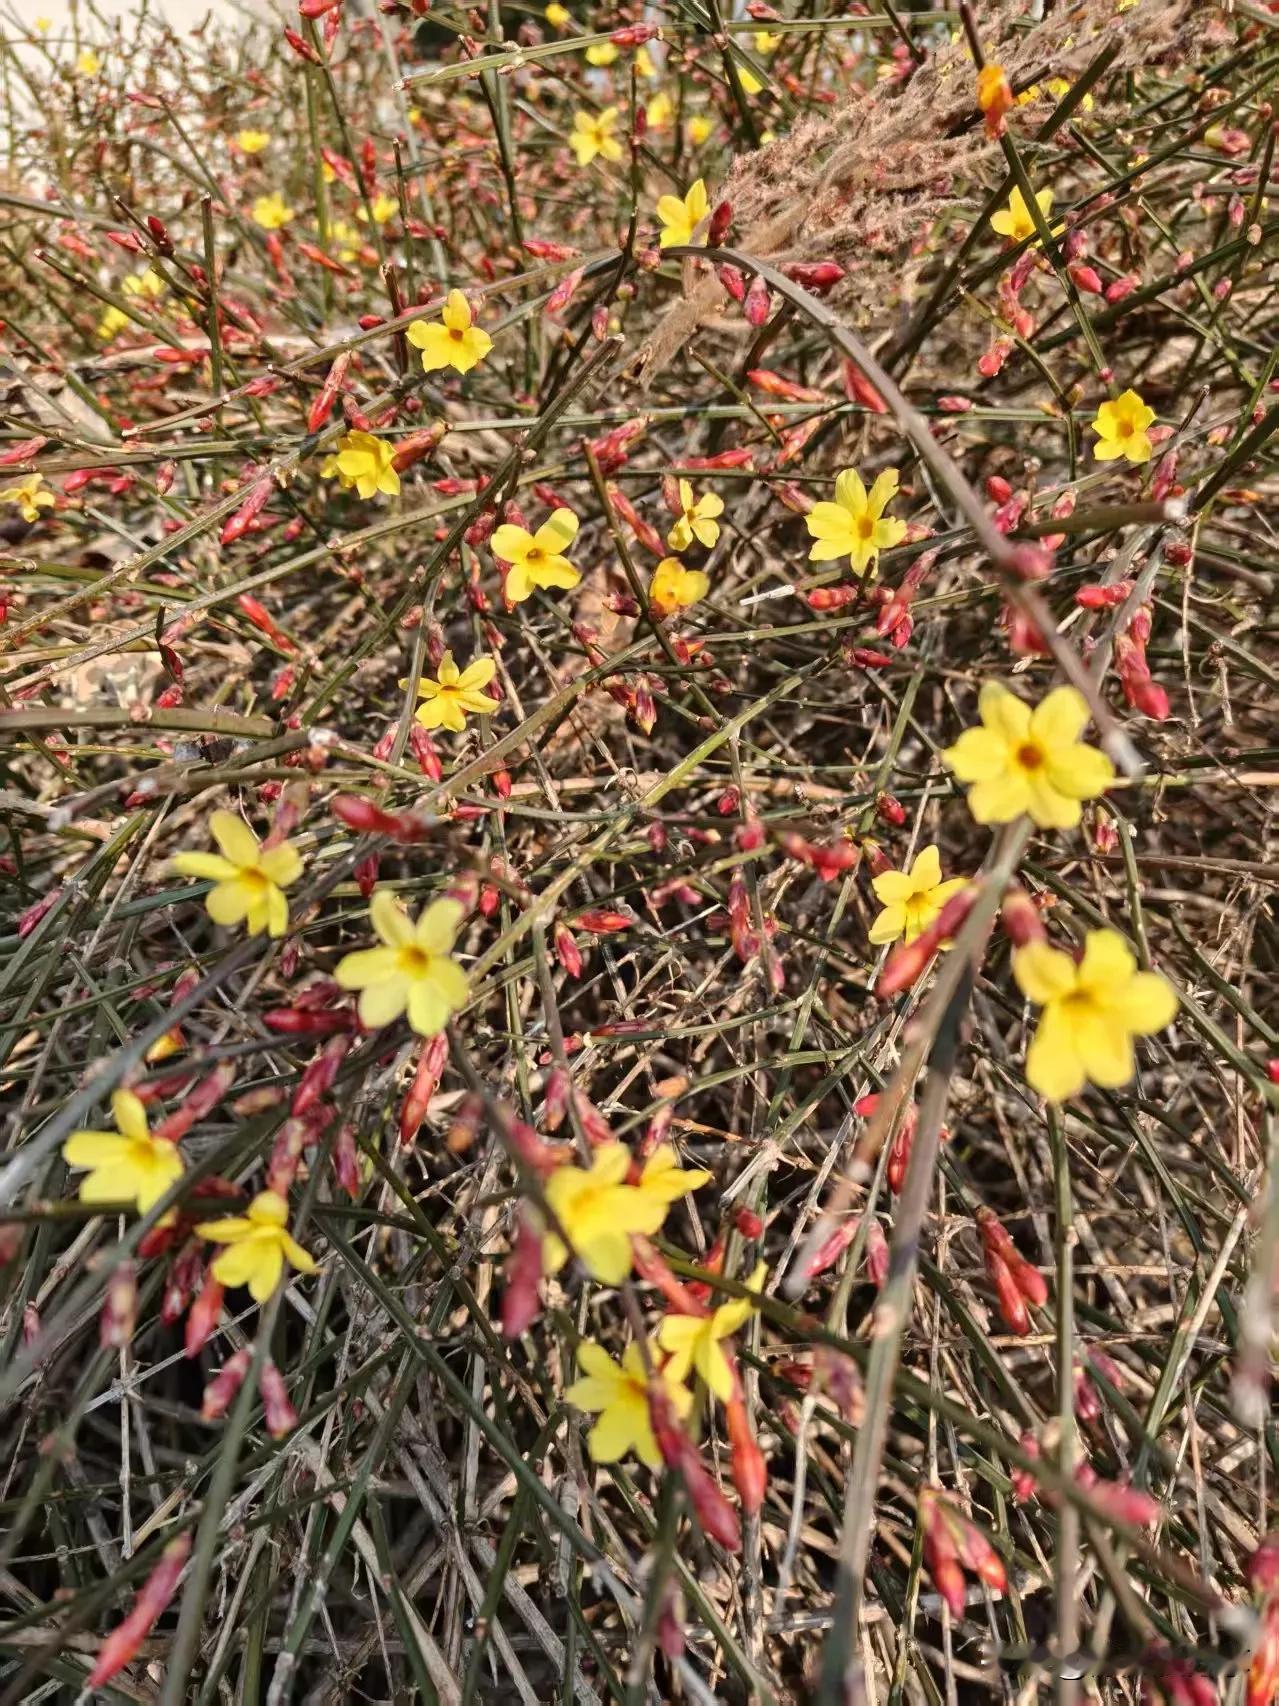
(1029, 756)
(456, 333)
(1124, 429)
(254, 878)
(534, 554)
(865, 527)
(414, 961)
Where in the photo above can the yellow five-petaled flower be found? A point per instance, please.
(599, 1212)
(696, 519)
(30, 496)
(247, 880)
(126, 1165)
(455, 692)
(1122, 428)
(272, 211)
(258, 1242)
(1021, 760)
(620, 1396)
(673, 587)
(252, 141)
(913, 899)
(855, 526)
(365, 462)
(537, 559)
(1016, 222)
(1092, 1012)
(413, 970)
(693, 1341)
(594, 136)
(454, 340)
(681, 215)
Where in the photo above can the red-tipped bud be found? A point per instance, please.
(203, 1317)
(221, 1390)
(277, 1410)
(521, 1300)
(125, 1641)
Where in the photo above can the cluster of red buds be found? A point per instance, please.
(1140, 689)
(1263, 1578)
(953, 1544)
(1016, 1282)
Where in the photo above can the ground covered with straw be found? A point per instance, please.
(637, 744)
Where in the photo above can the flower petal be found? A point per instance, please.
(1107, 965)
(389, 919)
(211, 865)
(1044, 974)
(477, 674)
(1000, 799)
(94, 1149)
(925, 873)
(1003, 713)
(1053, 1066)
(438, 926)
(282, 864)
(267, 1269)
(979, 755)
(890, 924)
(1146, 1004)
(850, 493)
(557, 532)
(1060, 717)
(511, 544)
(1105, 1050)
(235, 838)
(428, 1008)
(1081, 771)
(614, 1432)
(228, 902)
(366, 966)
(383, 1001)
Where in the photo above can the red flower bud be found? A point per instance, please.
(124, 1642)
(221, 1390)
(277, 1411)
(202, 1317)
(521, 1302)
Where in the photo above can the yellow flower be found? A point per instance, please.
(750, 83)
(1121, 428)
(912, 899)
(699, 128)
(557, 16)
(599, 1212)
(30, 496)
(44, 25)
(1021, 760)
(592, 136)
(681, 215)
(414, 970)
(346, 240)
(146, 284)
(620, 1395)
(451, 341)
(693, 1341)
(602, 53)
(660, 111)
(696, 520)
(1015, 221)
(247, 882)
(88, 64)
(855, 526)
(673, 587)
(1092, 1011)
(537, 559)
(127, 1165)
(454, 693)
(385, 207)
(113, 320)
(252, 141)
(257, 1244)
(271, 211)
(1059, 88)
(365, 462)
(766, 43)
(644, 66)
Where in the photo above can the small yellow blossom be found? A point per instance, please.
(248, 882)
(1059, 88)
(592, 136)
(1016, 221)
(148, 285)
(855, 526)
(126, 1165)
(384, 208)
(557, 16)
(660, 111)
(644, 66)
(113, 320)
(30, 496)
(346, 241)
(454, 340)
(693, 1341)
(537, 559)
(414, 969)
(258, 1243)
(751, 84)
(913, 899)
(88, 64)
(766, 41)
(599, 1213)
(1021, 760)
(663, 1178)
(681, 215)
(1122, 429)
(620, 1396)
(365, 462)
(698, 129)
(1092, 1012)
(673, 587)
(602, 53)
(271, 211)
(696, 519)
(454, 693)
(44, 25)
(252, 141)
